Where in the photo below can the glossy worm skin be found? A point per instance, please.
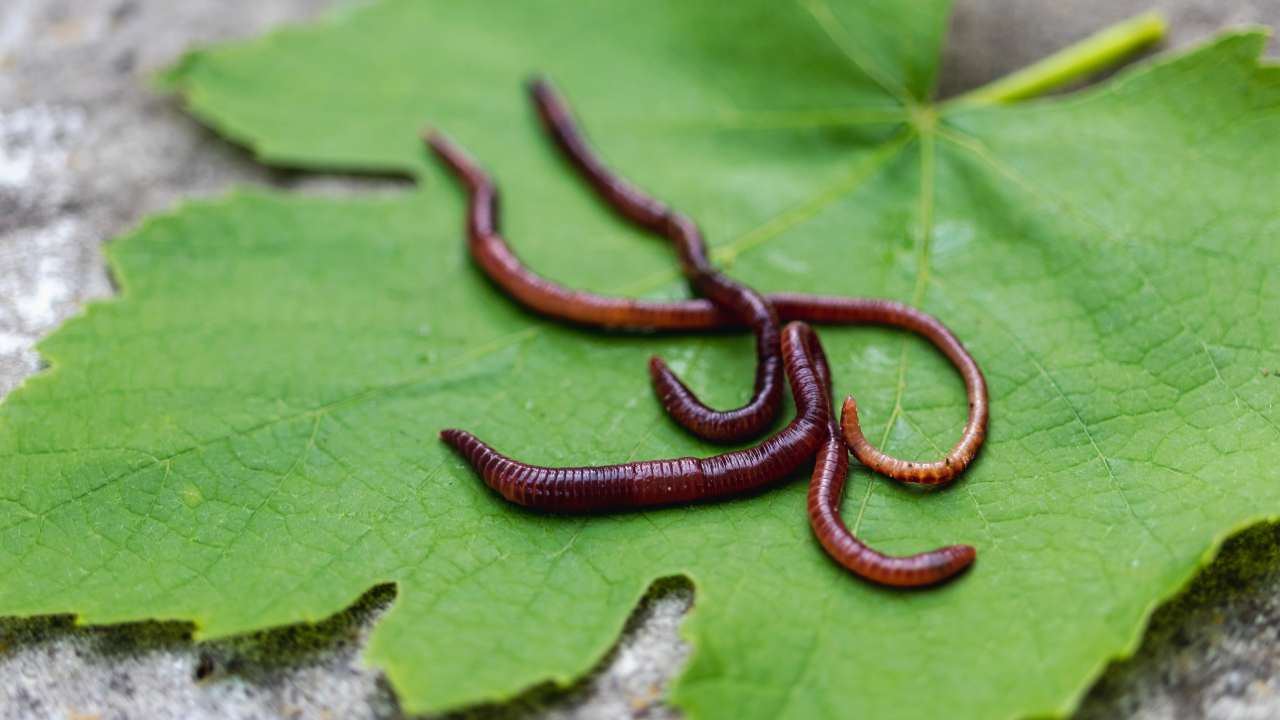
(975, 430)
(859, 311)
(491, 252)
(495, 257)
(684, 407)
(648, 212)
(666, 482)
(679, 401)
(826, 489)
(628, 200)
(938, 472)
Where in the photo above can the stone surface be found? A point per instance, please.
(86, 151)
(1214, 652)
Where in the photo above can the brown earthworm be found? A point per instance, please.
(498, 261)
(491, 252)
(501, 264)
(724, 292)
(665, 482)
(679, 401)
(648, 212)
(826, 488)
(937, 472)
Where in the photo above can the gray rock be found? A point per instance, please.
(86, 151)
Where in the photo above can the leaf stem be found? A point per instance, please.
(1096, 52)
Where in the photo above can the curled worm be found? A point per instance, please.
(684, 407)
(496, 258)
(682, 480)
(975, 429)
(679, 401)
(826, 489)
(491, 252)
(938, 472)
(648, 212)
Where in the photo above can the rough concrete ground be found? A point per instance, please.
(86, 151)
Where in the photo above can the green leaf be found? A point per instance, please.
(247, 436)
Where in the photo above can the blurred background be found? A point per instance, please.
(87, 150)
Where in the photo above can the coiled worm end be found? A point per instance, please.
(939, 472)
(945, 563)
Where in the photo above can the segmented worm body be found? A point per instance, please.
(724, 292)
(826, 488)
(837, 310)
(679, 401)
(814, 430)
(860, 311)
(682, 480)
(648, 212)
(628, 200)
(495, 257)
(492, 253)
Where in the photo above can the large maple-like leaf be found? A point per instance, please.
(247, 436)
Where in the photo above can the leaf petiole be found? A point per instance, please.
(1096, 52)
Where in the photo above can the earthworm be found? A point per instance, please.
(679, 401)
(937, 472)
(628, 200)
(665, 482)
(491, 252)
(498, 261)
(826, 488)
(648, 212)
(635, 205)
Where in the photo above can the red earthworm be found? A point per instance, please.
(679, 401)
(851, 311)
(826, 488)
(628, 200)
(498, 261)
(975, 430)
(666, 482)
(650, 213)
(491, 252)
(937, 472)
(635, 205)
